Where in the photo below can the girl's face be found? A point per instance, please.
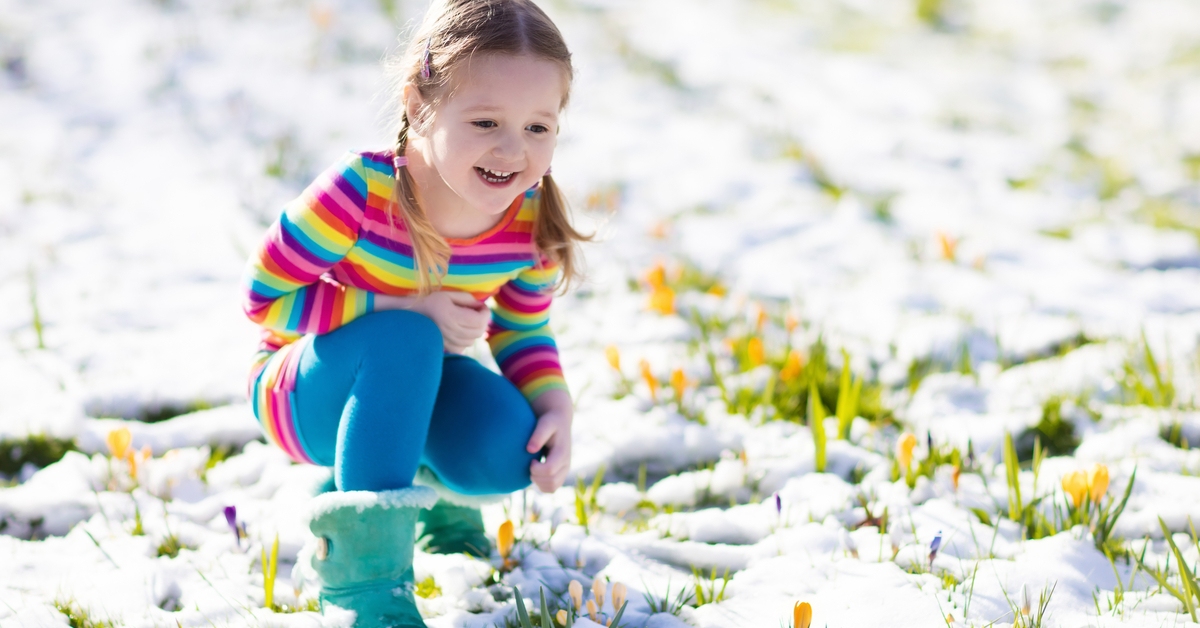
(494, 137)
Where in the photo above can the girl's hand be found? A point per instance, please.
(553, 431)
(460, 317)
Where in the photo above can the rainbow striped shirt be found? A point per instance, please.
(333, 248)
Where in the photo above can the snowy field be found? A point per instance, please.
(954, 221)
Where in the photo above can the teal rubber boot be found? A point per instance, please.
(451, 529)
(364, 551)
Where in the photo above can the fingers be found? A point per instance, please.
(549, 475)
(541, 436)
(464, 299)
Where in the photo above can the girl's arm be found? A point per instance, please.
(519, 333)
(284, 285)
(524, 348)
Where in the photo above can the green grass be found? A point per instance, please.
(1188, 589)
(169, 411)
(39, 450)
(38, 327)
(1173, 434)
(428, 588)
(707, 591)
(78, 616)
(1056, 434)
(1146, 382)
(171, 546)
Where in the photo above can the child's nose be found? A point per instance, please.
(510, 147)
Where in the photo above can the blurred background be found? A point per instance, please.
(918, 180)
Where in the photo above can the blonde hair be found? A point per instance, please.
(453, 32)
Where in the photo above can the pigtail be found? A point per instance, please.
(431, 253)
(553, 233)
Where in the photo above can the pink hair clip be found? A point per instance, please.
(399, 161)
(426, 61)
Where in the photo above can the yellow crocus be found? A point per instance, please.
(801, 615)
(651, 380)
(761, 320)
(598, 589)
(561, 616)
(754, 352)
(791, 367)
(591, 609)
(948, 245)
(791, 323)
(1075, 484)
(1097, 482)
(657, 276)
(614, 357)
(504, 539)
(662, 300)
(678, 383)
(576, 591)
(904, 450)
(118, 442)
(618, 595)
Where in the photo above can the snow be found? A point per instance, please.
(976, 193)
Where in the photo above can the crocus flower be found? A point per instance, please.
(791, 323)
(761, 320)
(904, 450)
(618, 596)
(801, 615)
(118, 442)
(954, 477)
(504, 540)
(1075, 484)
(662, 300)
(778, 504)
(657, 276)
(948, 245)
(591, 609)
(561, 616)
(1097, 482)
(614, 357)
(678, 383)
(791, 367)
(576, 591)
(598, 589)
(651, 380)
(935, 546)
(231, 519)
(754, 352)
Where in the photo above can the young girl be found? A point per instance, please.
(373, 282)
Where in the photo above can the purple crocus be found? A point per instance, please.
(778, 504)
(231, 519)
(934, 547)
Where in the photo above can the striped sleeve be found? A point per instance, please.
(519, 334)
(285, 286)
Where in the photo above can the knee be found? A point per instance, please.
(399, 332)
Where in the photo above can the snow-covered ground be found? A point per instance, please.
(988, 205)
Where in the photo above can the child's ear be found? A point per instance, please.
(413, 105)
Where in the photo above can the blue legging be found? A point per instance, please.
(377, 398)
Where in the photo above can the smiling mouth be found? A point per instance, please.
(494, 177)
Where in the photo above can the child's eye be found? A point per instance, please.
(538, 128)
(484, 124)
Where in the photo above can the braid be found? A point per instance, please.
(431, 253)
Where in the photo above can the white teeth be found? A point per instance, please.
(493, 176)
